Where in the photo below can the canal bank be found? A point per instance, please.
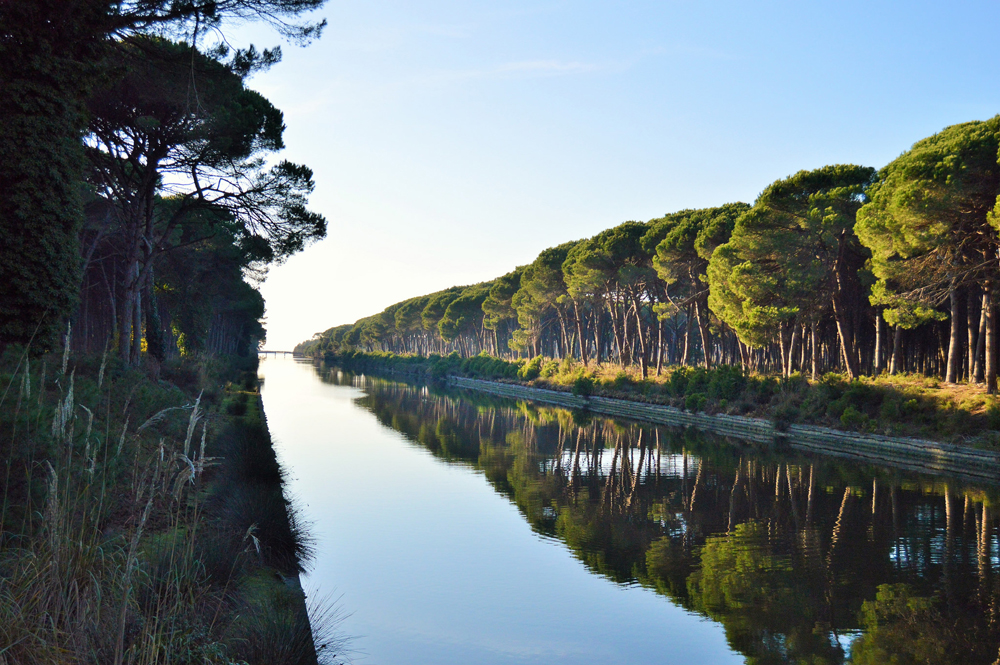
(912, 454)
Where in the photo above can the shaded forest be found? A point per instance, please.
(143, 517)
(143, 200)
(840, 269)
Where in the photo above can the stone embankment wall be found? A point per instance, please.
(905, 453)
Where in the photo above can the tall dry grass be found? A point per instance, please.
(109, 533)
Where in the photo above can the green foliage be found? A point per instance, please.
(993, 416)
(541, 288)
(928, 222)
(854, 419)
(437, 305)
(48, 49)
(549, 369)
(531, 370)
(785, 257)
(488, 367)
(498, 305)
(695, 402)
(583, 384)
(464, 314)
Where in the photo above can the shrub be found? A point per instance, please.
(784, 415)
(583, 384)
(530, 370)
(727, 382)
(852, 418)
(677, 383)
(621, 381)
(993, 415)
(550, 369)
(696, 402)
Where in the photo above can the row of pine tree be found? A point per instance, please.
(843, 268)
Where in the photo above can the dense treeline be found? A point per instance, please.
(140, 200)
(843, 268)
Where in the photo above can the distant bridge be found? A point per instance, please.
(263, 352)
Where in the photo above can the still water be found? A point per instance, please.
(458, 527)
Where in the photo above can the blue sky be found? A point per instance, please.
(453, 141)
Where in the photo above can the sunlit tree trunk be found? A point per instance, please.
(784, 342)
(659, 346)
(643, 350)
(579, 333)
(686, 358)
(991, 341)
(972, 332)
(701, 312)
(792, 345)
(954, 341)
(813, 348)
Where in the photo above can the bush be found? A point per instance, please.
(530, 370)
(622, 381)
(784, 415)
(583, 384)
(852, 418)
(550, 369)
(727, 382)
(696, 402)
(993, 416)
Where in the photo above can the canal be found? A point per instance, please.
(458, 527)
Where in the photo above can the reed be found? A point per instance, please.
(114, 547)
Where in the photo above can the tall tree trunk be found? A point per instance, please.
(954, 341)
(844, 330)
(619, 344)
(897, 351)
(846, 341)
(686, 358)
(154, 327)
(991, 340)
(127, 314)
(981, 341)
(579, 333)
(783, 342)
(136, 353)
(879, 343)
(701, 312)
(814, 348)
(970, 323)
(792, 345)
(659, 345)
(643, 350)
(597, 337)
(804, 348)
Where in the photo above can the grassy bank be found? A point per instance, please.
(143, 519)
(897, 405)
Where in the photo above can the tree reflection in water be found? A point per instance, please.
(801, 559)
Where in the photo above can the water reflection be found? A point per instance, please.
(800, 559)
